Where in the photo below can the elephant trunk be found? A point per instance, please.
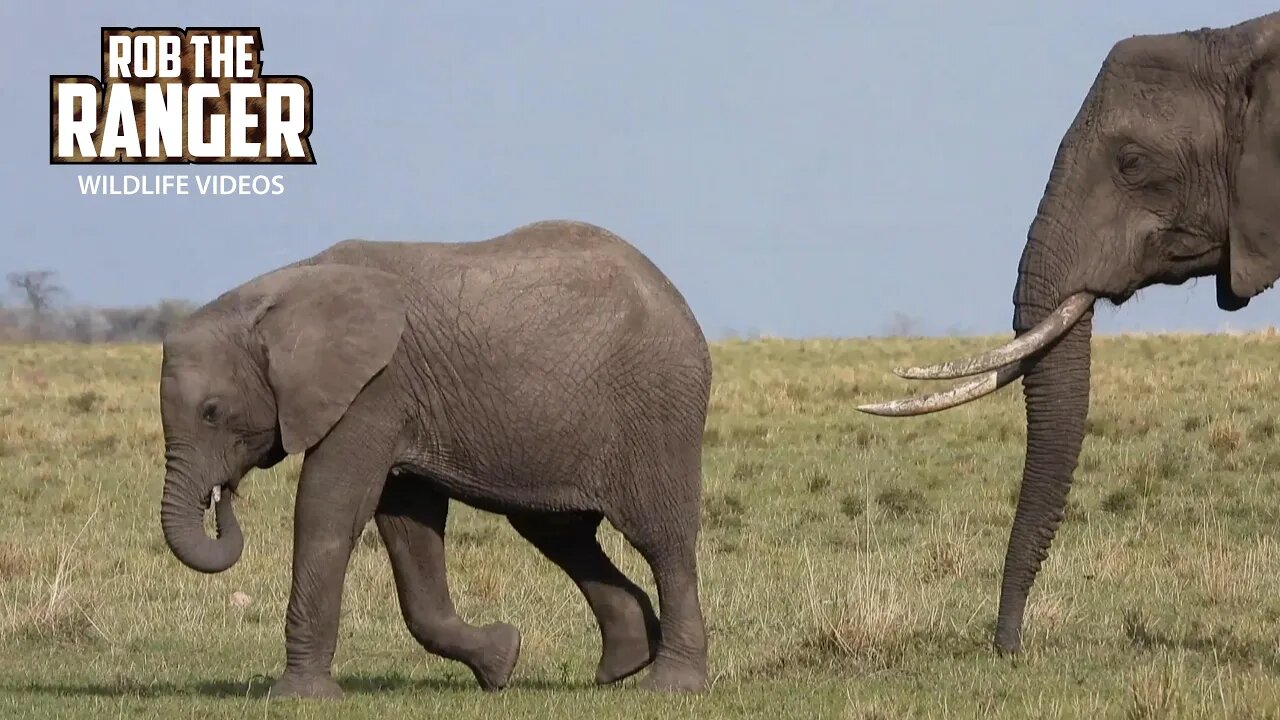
(1056, 389)
(182, 509)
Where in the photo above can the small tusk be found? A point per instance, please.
(958, 395)
(1045, 332)
(215, 496)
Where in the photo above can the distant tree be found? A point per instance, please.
(10, 330)
(39, 315)
(143, 324)
(85, 325)
(168, 314)
(123, 324)
(901, 324)
(39, 288)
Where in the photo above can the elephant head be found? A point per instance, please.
(1169, 171)
(264, 371)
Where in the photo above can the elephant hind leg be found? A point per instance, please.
(665, 530)
(628, 627)
(411, 519)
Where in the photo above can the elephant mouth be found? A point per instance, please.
(230, 488)
(274, 455)
(1119, 298)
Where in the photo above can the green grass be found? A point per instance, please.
(849, 564)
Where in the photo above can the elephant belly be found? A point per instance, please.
(503, 495)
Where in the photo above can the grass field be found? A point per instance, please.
(849, 563)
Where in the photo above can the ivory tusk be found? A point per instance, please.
(1038, 337)
(958, 395)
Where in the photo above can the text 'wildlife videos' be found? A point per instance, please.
(105, 184)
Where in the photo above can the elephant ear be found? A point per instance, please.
(1254, 223)
(326, 330)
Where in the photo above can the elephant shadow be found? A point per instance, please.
(258, 686)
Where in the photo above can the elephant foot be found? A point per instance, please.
(623, 657)
(618, 663)
(669, 677)
(1008, 644)
(291, 685)
(498, 660)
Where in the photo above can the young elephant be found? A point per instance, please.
(551, 374)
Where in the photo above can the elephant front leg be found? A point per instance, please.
(341, 482)
(411, 519)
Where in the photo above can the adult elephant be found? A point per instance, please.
(551, 374)
(1170, 171)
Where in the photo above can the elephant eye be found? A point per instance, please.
(209, 411)
(1185, 246)
(1130, 163)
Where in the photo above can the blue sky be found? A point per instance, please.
(798, 169)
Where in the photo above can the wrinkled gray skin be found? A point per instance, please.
(1170, 171)
(552, 375)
